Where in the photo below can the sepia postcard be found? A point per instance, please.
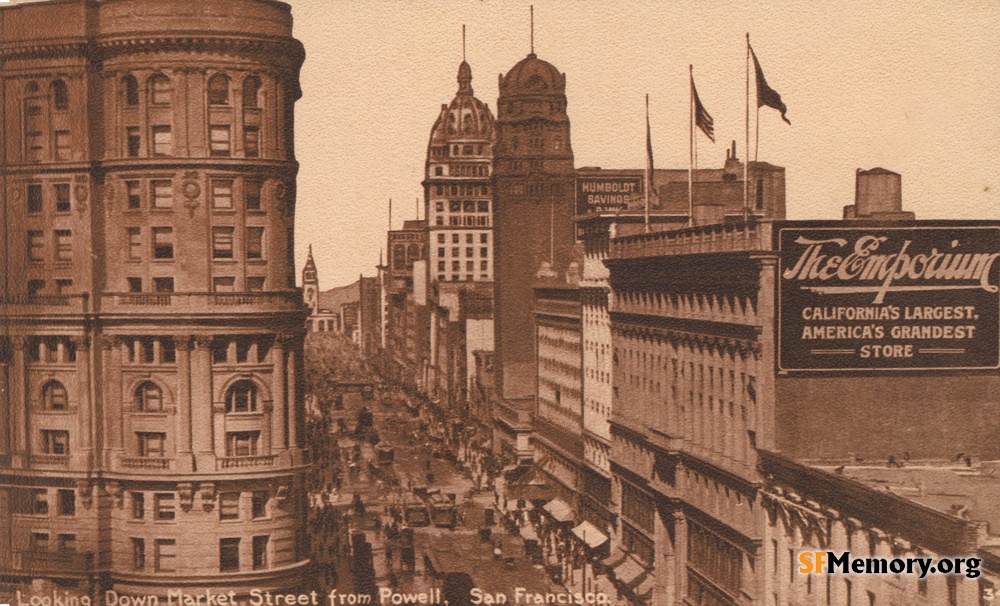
(322, 303)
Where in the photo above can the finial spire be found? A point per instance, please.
(463, 42)
(532, 12)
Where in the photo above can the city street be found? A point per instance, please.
(421, 470)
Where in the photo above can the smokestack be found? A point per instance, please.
(878, 194)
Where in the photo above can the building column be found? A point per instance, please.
(278, 394)
(292, 399)
(5, 410)
(19, 402)
(85, 407)
(114, 413)
(680, 555)
(185, 461)
(201, 403)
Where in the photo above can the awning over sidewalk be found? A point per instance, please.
(628, 571)
(591, 535)
(558, 509)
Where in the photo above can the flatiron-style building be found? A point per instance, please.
(151, 347)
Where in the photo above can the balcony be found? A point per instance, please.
(200, 303)
(722, 237)
(49, 459)
(230, 463)
(44, 563)
(516, 418)
(44, 305)
(146, 463)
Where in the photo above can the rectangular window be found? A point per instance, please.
(67, 543)
(163, 285)
(241, 443)
(39, 541)
(36, 245)
(224, 284)
(484, 251)
(35, 287)
(134, 141)
(455, 206)
(260, 552)
(454, 251)
(259, 509)
(441, 265)
(62, 145)
(168, 350)
(483, 206)
(439, 220)
(251, 141)
(134, 243)
(163, 193)
(470, 266)
(222, 242)
(64, 245)
(454, 238)
(456, 265)
(484, 265)
(152, 444)
(222, 194)
(41, 502)
(55, 442)
(166, 552)
(138, 554)
(255, 243)
(34, 198)
(163, 243)
(468, 251)
(440, 240)
(67, 503)
(229, 555)
(138, 505)
(134, 284)
(251, 194)
(469, 206)
(62, 197)
(440, 251)
(255, 284)
(133, 190)
(229, 506)
(163, 141)
(483, 238)
(33, 146)
(164, 503)
(219, 135)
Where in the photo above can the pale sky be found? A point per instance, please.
(912, 86)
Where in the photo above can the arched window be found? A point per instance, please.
(54, 396)
(251, 92)
(148, 397)
(159, 90)
(131, 87)
(60, 95)
(242, 397)
(218, 90)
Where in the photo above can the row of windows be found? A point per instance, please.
(469, 266)
(59, 193)
(162, 243)
(461, 278)
(229, 505)
(465, 221)
(467, 149)
(160, 194)
(219, 90)
(165, 554)
(461, 190)
(468, 206)
(60, 241)
(152, 444)
(36, 501)
(220, 284)
(219, 135)
(484, 251)
(469, 238)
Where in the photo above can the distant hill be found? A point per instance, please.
(335, 297)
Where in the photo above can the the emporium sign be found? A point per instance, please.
(601, 194)
(915, 297)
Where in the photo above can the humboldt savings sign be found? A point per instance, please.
(914, 297)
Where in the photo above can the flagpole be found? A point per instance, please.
(648, 176)
(756, 137)
(746, 190)
(691, 147)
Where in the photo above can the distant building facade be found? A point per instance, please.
(152, 330)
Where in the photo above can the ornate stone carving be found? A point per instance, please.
(117, 494)
(207, 490)
(281, 495)
(185, 491)
(202, 341)
(85, 493)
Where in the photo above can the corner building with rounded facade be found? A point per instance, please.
(151, 349)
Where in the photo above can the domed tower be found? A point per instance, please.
(457, 188)
(533, 217)
(151, 330)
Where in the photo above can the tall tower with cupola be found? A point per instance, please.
(533, 213)
(457, 188)
(310, 283)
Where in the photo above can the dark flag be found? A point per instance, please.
(765, 94)
(649, 143)
(702, 119)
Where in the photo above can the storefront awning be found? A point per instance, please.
(558, 509)
(528, 533)
(591, 535)
(628, 571)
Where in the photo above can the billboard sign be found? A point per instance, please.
(603, 194)
(888, 298)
